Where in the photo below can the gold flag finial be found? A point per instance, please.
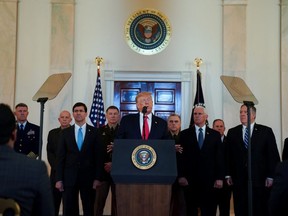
(198, 62)
(99, 61)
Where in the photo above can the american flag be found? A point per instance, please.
(97, 114)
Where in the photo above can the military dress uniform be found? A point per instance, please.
(27, 139)
(107, 135)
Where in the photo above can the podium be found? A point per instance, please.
(48, 91)
(143, 171)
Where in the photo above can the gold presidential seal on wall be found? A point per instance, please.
(148, 31)
(144, 157)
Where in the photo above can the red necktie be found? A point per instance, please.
(145, 128)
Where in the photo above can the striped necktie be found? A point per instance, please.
(246, 138)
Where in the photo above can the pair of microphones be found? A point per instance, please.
(144, 110)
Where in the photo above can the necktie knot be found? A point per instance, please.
(112, 131)
(174, 136)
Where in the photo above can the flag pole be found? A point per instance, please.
(199, 97)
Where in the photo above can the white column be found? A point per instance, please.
(62, 53)
(234, 52)
(284, 69)
(8, 37)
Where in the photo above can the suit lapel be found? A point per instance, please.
(194, 136)
(87, 137)
(206, 137)
(71, 137)
(137, 123)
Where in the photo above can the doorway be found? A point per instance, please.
(166, 96)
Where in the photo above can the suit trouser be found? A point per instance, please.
(222, 198)
(199, 197)
(177, 205)
(71, 197)
(57, 197)
(101, 197)
(260, 196)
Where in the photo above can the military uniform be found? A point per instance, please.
(107, 135)
(27, 139)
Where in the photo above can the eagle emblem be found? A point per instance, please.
(148, 32)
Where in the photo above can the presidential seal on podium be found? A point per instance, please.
(148, 32)
(144, 157)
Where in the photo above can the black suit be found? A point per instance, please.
(78, 169)
(52, 146)
(264, 158)
(28, 140)
(26, 181)
(201, 167)
(278, 202)
(130, 128)
(177, 206)
(285, 150)
(223, 195)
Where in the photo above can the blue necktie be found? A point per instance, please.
(200, 138)
(21, 127)
(80, 138)
(246, 138)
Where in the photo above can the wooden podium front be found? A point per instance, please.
(139, 190)
(143, 199)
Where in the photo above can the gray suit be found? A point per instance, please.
(26, 181)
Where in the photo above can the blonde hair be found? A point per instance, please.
(143, 94)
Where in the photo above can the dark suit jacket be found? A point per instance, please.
(28, 140)
(278, 203)
(26, 181)
(52, 146)
(201, 167)
(71, 162)
(264, 155)
(285, 150)
(130, 128)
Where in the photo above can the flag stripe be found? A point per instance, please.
(97, 113)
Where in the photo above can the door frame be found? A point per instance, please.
(185, 77)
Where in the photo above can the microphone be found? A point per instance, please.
(144, 110)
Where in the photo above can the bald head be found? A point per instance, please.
(64, 119)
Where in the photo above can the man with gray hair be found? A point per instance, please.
(201, 165)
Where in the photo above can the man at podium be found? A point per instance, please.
(143, 125)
